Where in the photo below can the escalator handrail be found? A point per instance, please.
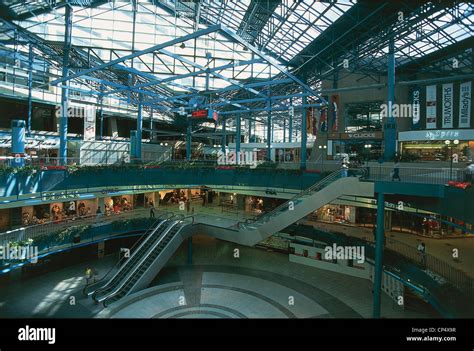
(146, 237)
(86, 289)
(317, 186)
(180, 226)
(138, 265)
(331, 177)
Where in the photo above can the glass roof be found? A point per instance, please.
(110, 34)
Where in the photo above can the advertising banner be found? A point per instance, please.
(447, 107)
(323, 120)
(415, 100)
(335, 112)
(431, 107)
(465, 105)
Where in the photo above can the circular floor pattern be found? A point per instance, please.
(203, 293)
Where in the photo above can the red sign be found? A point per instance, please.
(199, 114)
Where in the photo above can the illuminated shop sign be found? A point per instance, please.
(442, 134)
(62, 195)
(359, 135)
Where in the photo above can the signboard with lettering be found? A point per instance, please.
(465, 105)
(357, 135)
(431, 107)
(205, 114)
(415, 100)
(447, 105)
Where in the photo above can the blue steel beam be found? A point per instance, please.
(229, 88)
(229, 34)
(218, 75)
(138, 145)
(379, 244)
(30, 88)
(264, 109)
(390, 131)
(238, 136)
(205, 71)
(144, 92)
(303, 135)
(247, 101)
(63, 122)
(269, 129)
(224, 137)
(210, 29)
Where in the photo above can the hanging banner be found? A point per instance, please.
(309, 120)
(315, 121)
(323, 120)
(89, 122)
(447, 105)
(335, 112)
(465, 105)
(431, 107)
(415, 100)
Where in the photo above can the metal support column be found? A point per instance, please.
(30, 88)
(188, 141)
(237, 137)
(290, 122)
(138, 146)
(303, 135)
(64, 87)
(250, 129)
(379, 244)
(101, 112)
(390, 127)
(224, 137)
(269, 131)
(152, 135)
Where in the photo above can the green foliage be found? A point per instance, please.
(21, 171)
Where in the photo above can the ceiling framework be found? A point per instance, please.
(259, 55)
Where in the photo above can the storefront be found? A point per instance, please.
(432, 145)
(118, 204)
(361, 145)
(335, 214)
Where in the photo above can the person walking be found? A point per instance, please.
(89, 274)
(188, 205)
(152, 211)
(396, 171)
(422, 250)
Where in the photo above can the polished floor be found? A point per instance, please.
(257, 284)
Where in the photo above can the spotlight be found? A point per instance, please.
(182, 46)
(166, 144)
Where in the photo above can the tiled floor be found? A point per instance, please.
(217, 285)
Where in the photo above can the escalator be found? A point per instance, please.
(124, 263)
(145, 264)
(154, 253)
(328, 189)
